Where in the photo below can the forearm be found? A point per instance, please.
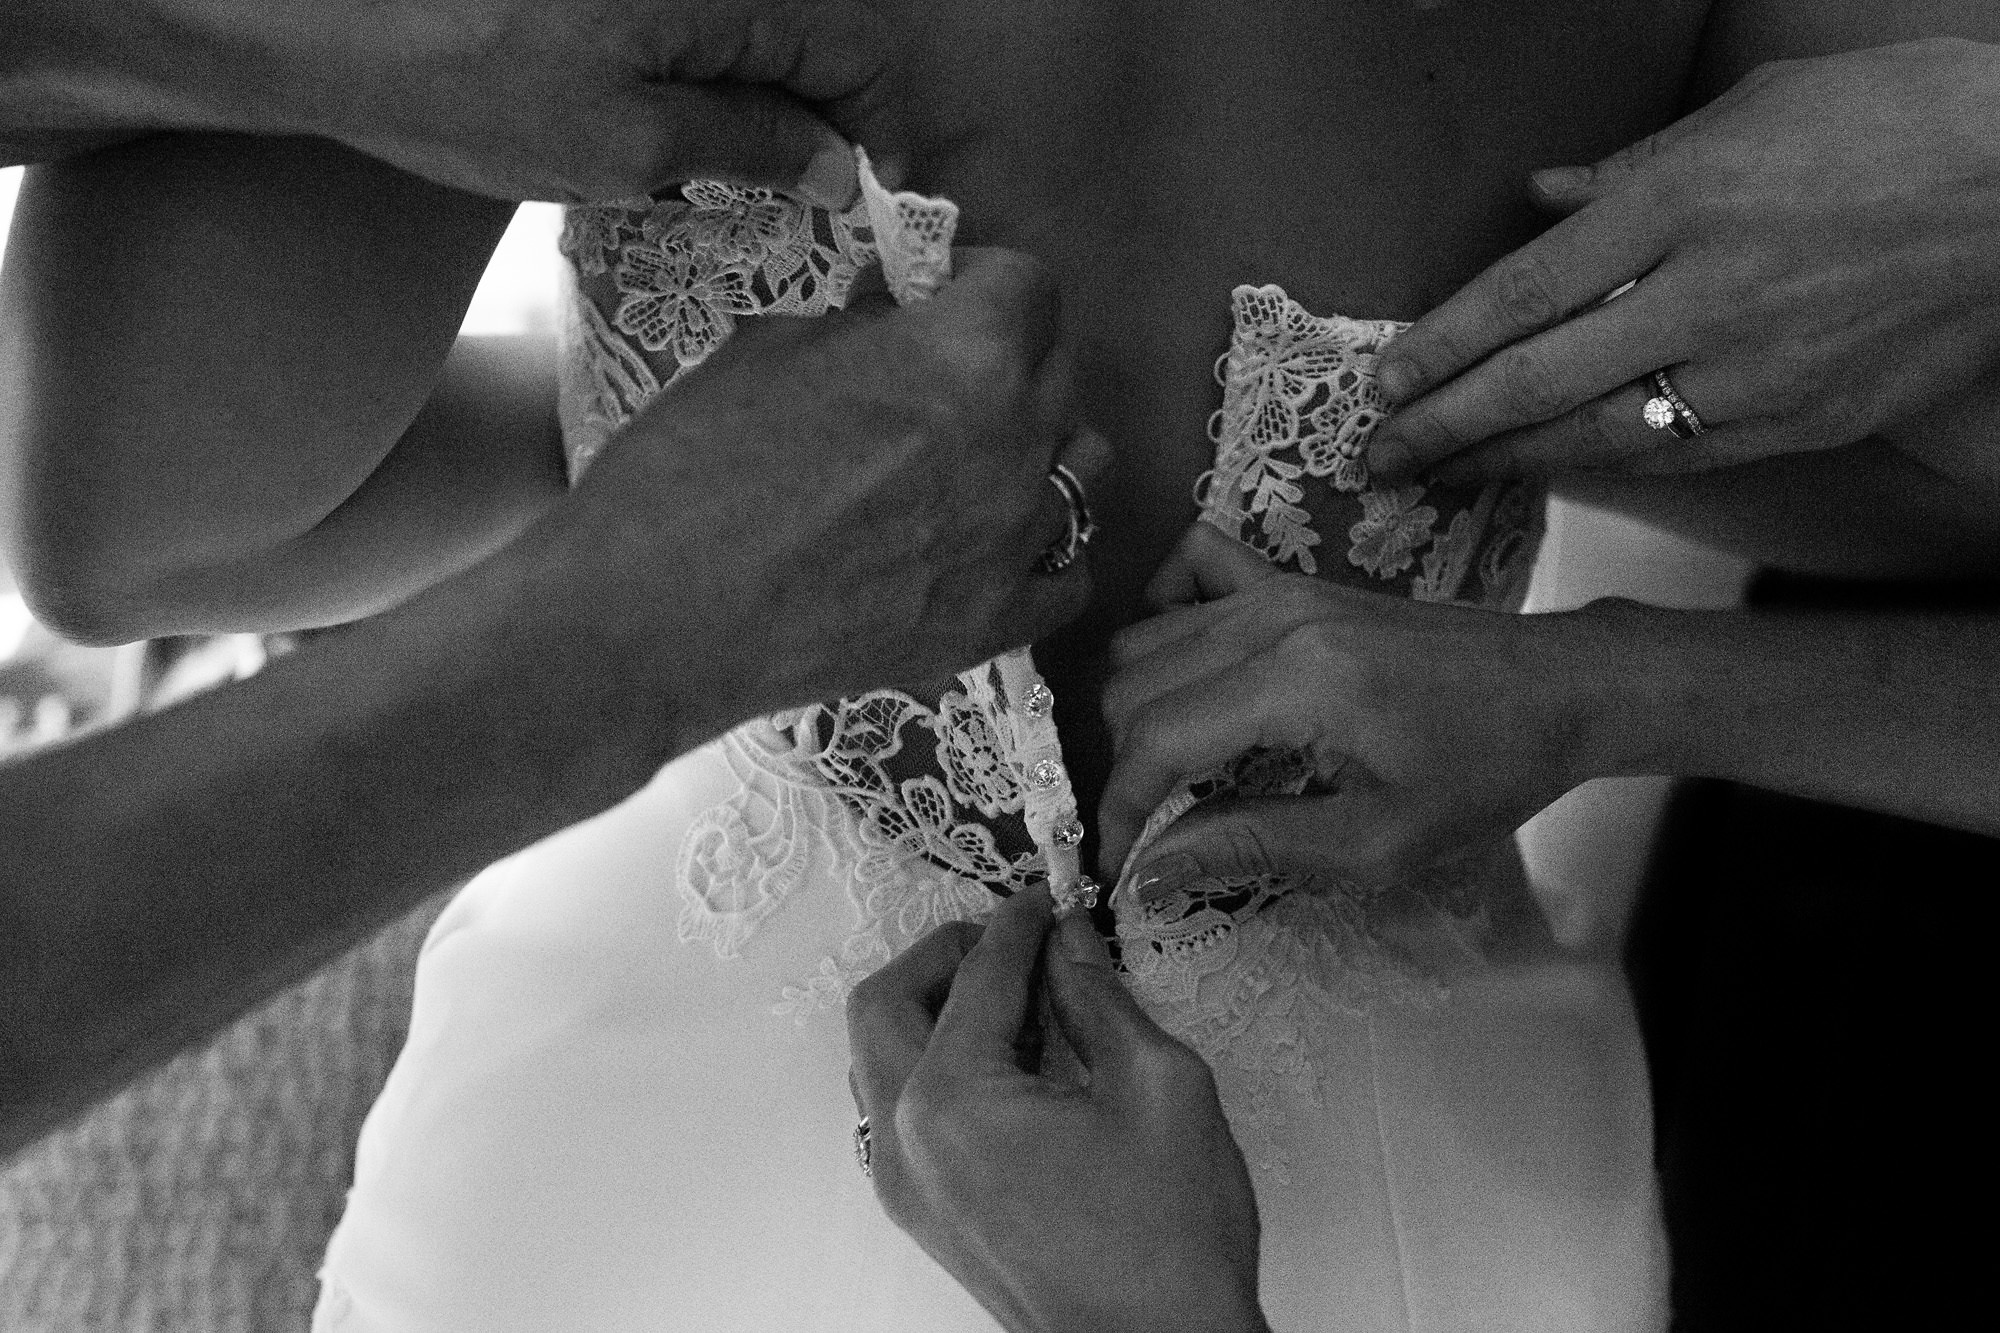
(164, 877)
(481, 461)
(1898, 712)
(80, 74)
(208, 346)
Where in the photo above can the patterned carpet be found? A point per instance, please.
(201, 1198)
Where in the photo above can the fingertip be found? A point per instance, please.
(1077, 942)
(1555, 185)
(831, 179)
(1389, 460)
(1399, 378)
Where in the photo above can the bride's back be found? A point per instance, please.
(1367, 156)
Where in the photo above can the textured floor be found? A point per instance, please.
(200, 1199)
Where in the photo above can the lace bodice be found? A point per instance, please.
(929, 807)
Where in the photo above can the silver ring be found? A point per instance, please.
(864, 1147)
(1082, 526)
(1668, 411)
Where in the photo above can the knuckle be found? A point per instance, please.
(1529, 386)
(1248, 848)
(1524, 293)
(1597, 431)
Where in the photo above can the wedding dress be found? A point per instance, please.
(623, 1104)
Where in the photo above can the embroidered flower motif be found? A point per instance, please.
(741, 225)
(969, 751)
(1393, 525)
(589, 233)
(679, 299)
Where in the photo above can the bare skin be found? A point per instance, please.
(514, 99)
(1153, 161)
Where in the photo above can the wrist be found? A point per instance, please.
(1622, 661)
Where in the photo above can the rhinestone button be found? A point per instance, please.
(1045, 774)
(1040, 699)
(1069, 833)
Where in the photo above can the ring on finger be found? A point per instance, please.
(864, 1147)
(1060, 555)
(1667, 410)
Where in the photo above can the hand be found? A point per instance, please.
(568, 100)
(1431, 728)
(1817, 253)
(1118, 1204)
(825, 506)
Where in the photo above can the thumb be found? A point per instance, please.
(753, 136)
(1097, 1016)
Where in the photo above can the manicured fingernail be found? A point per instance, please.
(1166, 876)
(830, 179)
(1561, 180)
(1397, 380)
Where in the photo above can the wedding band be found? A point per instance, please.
(864, 1147)
(1668, 411)
(1082, 527)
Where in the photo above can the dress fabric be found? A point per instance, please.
(623, 1103)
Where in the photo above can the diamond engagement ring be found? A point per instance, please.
(864, 1147)
(1668, 411)
(1082, 527)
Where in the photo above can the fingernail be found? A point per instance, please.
(830, 179)
(1167, 876)
(1385, 458)
(1561, 180)
(1397, 380)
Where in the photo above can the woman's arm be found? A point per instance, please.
(216, 354)
(1432, 727)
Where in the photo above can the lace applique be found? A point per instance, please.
(604, 382)
(912, 233)
(925, 813)
(1299, 402)
(1246, 970)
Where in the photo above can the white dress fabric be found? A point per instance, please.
(623, 1104)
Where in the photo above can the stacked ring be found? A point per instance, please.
(1082, 527)
(1668, 411)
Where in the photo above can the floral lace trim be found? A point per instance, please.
(1247, 970)
(1299, 401)
(926, 813)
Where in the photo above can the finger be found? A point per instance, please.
(1354, 835)
(1566, 189)
(990, 997)
(1205, 566)
(1012, 294)
(891, 1014)
(1192, 731)
(748, 99)
(746, 134)
(1096, 1015)
(1609, 433)
(1536, 380)
(1159, 633)
(1234, 632)
(1057, 397)
(1566, 268)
